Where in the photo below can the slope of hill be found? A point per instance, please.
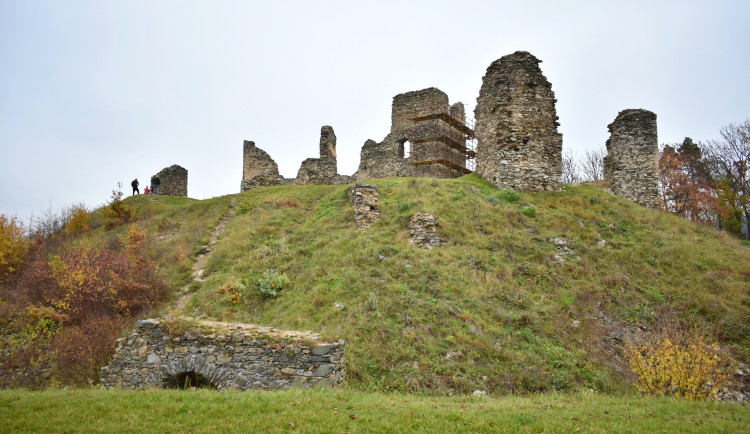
(533, 293)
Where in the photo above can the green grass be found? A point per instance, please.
(99, 410)
(492, 310)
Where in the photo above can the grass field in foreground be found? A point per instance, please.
(100, 410)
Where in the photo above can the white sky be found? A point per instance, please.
(96, 92)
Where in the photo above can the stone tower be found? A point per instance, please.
(321, 170)
(516, 126)
(632, 161)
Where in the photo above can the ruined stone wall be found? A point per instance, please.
(229, 356)
(428, 137)
(516, 126)
(258, 168)
(364, 199)
(632, 161)
(321, 170)
(174, 181)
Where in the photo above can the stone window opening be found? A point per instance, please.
(188, 380)
(404, 148)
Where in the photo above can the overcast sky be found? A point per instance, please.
(97, 92)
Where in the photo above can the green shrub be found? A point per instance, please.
(272, 283)
(509, 195)
(529, 211)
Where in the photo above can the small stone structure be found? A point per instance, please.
(632, 161)
(516, 126)
(259, 169)
(428, 138)
(364, 199)
(423, 231)
(225, 356)
(174, 181)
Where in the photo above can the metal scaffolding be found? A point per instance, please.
(441, 144)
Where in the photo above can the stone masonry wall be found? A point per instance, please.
(364, 199)
(321, 170)
(516, 126)
(229, 356)
(258, 168)
(174, 181)
(632, 161)
(388, 158)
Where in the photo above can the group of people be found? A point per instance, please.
(155, 182)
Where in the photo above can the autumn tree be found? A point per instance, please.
(685, 184)
(13, 246)
(729, 162)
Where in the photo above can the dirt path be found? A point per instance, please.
(202, 259)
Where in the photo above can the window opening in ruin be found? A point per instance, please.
(407, 149)
(188, 380)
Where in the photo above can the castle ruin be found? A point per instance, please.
(632, 161)
(173, 181)
(516, 126)
(515, 143)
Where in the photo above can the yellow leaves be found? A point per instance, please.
(78, 222)
(691, 370)
(13, 245)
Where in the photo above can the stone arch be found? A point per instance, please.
(219, 377)
(185, 380)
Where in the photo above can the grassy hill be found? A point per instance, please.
(532, 293)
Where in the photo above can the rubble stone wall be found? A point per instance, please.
(632, 161)
(364, 199)
(516, 126)
(321, 170)
(258, 168)
(173, 181)
(229, 356)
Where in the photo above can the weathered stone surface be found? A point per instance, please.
(632, 161)
(258, 168)
(425, 139)
(321, 170)
(516, 126)
(364, 199)
(174, 181)
(423, 231)
(250, 357)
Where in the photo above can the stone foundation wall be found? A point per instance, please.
(516, 126)
(174, 180)
(364, 199)
(632, 161)
(229, 356)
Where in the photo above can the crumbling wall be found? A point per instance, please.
(173, 181)
(364, 199)
(632, 161)
(419, 121)
(321, 170)
(516, 126)
(423, 231)
(228, 356)
(258, 168)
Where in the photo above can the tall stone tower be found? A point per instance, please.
(516, 126)
(632, 161)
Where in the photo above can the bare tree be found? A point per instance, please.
(591, 165)
(729, 159)
(570, 172)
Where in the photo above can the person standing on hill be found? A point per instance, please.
(157, 181)
(135, 185)
(146, 190)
